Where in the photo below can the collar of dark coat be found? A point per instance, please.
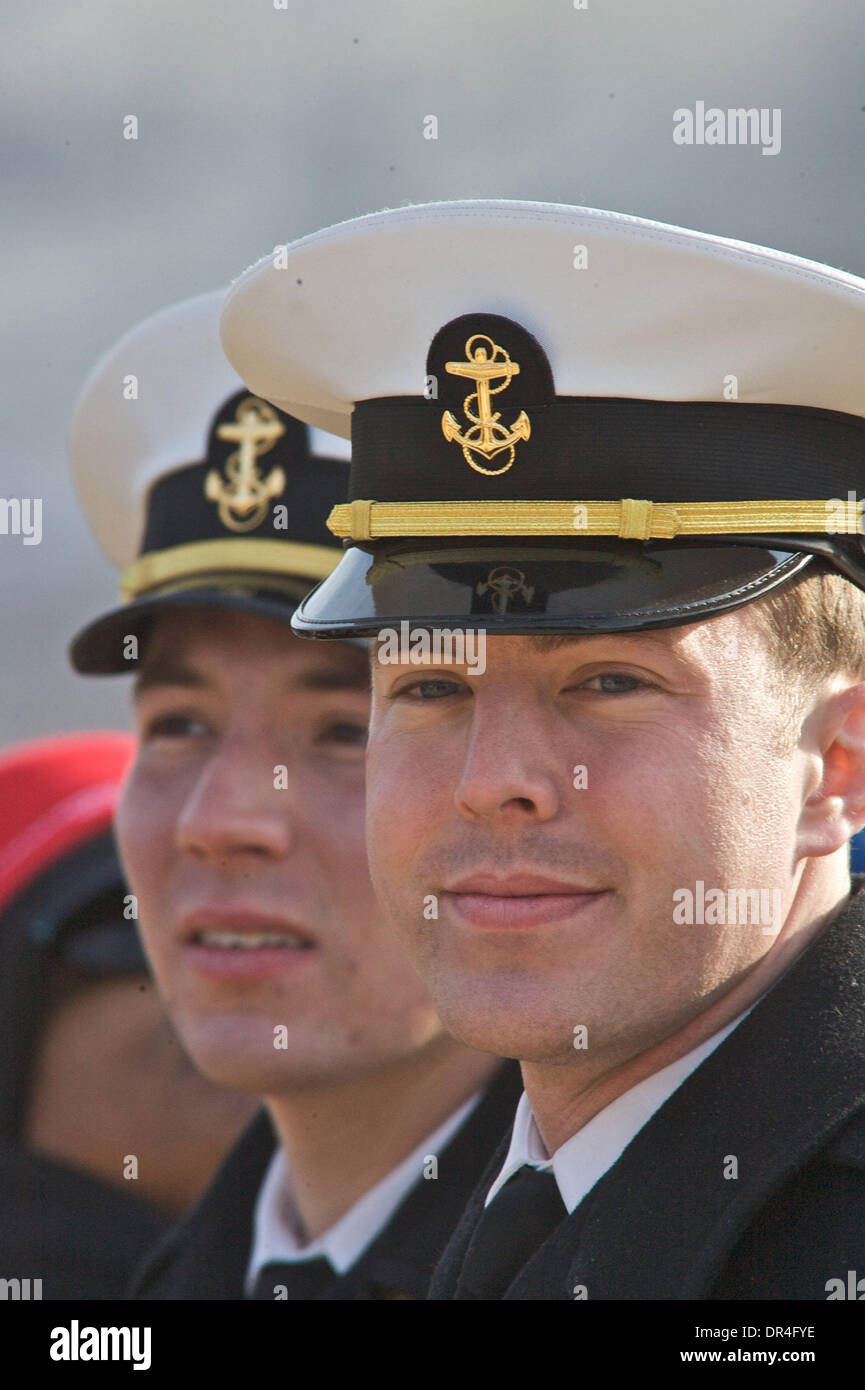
(787, 1079)
(400, 1261)
(206, 1255)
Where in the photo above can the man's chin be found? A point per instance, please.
(237, 1052)
(252, 1074)
(490, 1022)
(285, 1065)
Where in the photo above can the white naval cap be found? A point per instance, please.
(145, 410)
(665, 415)
(195, 489)
(622, 306)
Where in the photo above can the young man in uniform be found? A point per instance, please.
(242, 830)
(618, 451)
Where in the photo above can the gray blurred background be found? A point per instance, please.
(257, 125)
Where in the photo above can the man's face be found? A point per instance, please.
(553, 806)
(242, 830)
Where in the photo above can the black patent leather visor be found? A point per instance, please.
(102, 648)
(535, 586)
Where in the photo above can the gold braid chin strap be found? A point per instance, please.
(630, 519)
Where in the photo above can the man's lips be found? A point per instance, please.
(236, 943)
(516, 885)
(243, 925)
(519, 900)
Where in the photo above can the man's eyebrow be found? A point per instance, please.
(171, 671)
(552, 641)
(167, 671)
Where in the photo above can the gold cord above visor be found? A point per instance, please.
(312, 562)
(629, 519)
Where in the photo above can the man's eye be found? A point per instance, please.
(428, 690)
(173, 726)
(615, 683)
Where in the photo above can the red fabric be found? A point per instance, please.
(55, 793)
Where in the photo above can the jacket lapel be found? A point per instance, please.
(399, 1263)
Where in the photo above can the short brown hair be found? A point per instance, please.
(815, 626)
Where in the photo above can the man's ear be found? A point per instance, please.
(836, 809)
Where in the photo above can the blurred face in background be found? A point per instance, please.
(109, 1079)
(242, 831)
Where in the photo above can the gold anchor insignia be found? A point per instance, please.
(505, 583)
(487, 436)
(243, 498)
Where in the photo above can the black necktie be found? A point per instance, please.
(300, 1279)
(514, 1225)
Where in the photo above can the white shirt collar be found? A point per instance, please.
(276, 1226)
(586, 1156)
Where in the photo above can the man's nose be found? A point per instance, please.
(235, 809)
(510, 772)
